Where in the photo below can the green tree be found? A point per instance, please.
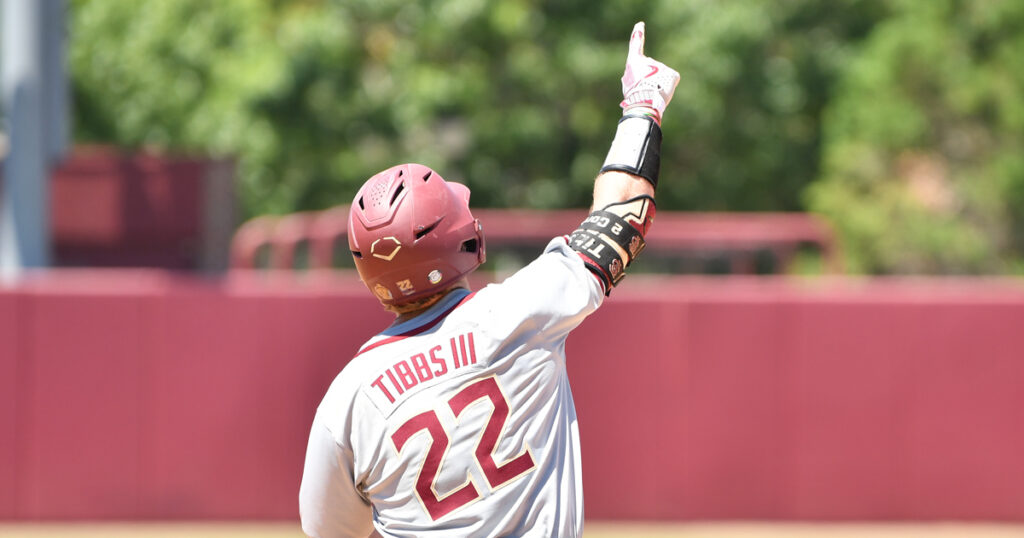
(923, 165)
(756, 78)
(517, 98)
(178, 76)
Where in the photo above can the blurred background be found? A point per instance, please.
(827, 324)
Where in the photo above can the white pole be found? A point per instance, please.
(24, 211)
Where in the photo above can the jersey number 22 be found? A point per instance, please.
(496, 474)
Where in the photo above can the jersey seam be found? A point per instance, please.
(341, 448)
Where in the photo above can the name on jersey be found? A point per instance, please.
(432, 363)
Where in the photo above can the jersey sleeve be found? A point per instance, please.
(553, 294)
(329, 503)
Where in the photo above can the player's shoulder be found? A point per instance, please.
(558, 260)
(350, 380)
(342, 391)
(557, 269)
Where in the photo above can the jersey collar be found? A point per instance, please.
(421, 323)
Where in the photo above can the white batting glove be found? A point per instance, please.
(647, 84)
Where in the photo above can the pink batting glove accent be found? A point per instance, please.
(647, 84)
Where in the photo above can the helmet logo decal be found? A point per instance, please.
(405, 286)
(434, 276)
(385, 248)
(383, 293)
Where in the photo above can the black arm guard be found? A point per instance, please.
(611, 238)
(636, 148)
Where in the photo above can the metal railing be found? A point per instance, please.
(730, 243)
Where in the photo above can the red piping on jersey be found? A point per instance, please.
(417, 330)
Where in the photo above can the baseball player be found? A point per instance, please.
(458, 420)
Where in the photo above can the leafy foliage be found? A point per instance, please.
(923, 165)
(898, 119)
(518, 98)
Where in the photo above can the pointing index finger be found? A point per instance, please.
(636, 39)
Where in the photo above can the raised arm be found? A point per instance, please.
(623, 210)
(647, 88)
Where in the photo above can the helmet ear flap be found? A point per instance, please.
(463, 192)
(481, 247)
(476, 244)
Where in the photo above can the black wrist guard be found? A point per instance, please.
(636, 148)
(611, 238)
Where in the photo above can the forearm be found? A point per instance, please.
(611, 237)
(613, 187)
(632, 166)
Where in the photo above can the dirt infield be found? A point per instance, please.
(593, 530)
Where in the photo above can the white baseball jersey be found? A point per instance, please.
(459, 422)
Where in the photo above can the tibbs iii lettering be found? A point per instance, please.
(434, 362)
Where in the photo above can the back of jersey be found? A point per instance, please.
(461, 421)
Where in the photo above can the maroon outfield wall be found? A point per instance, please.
(147, 395)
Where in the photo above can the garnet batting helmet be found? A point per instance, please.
(412, 234)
